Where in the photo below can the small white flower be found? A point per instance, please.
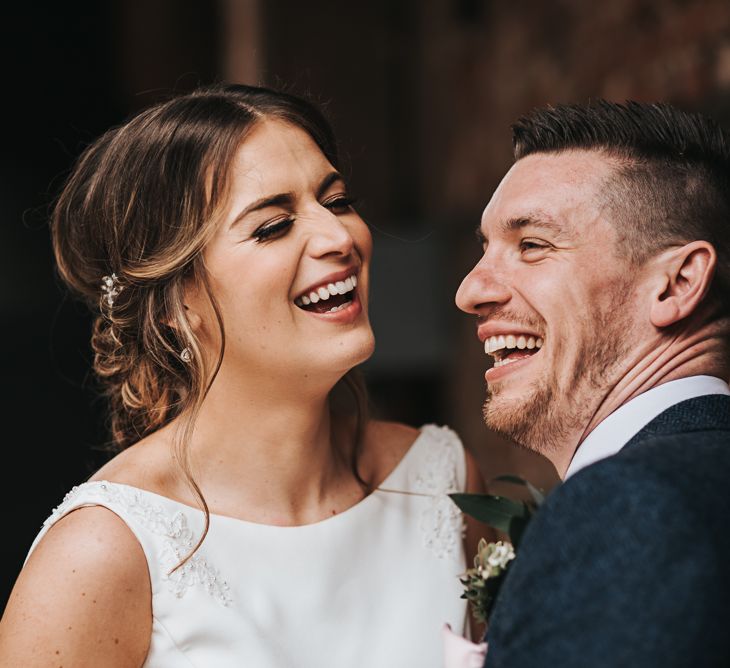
(502, 554)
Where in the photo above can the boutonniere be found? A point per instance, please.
(492, 560)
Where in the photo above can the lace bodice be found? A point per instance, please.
(371, 586)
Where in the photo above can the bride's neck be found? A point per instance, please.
(267, 445)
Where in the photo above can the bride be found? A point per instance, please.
(254, 514)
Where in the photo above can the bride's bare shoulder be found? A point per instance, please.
(83, 597)
(147, 464)
(385, 444)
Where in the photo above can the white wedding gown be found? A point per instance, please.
(370, 587)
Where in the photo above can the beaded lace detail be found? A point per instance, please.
(178, 538)
(442, 522)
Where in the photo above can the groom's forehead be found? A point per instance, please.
(553, 191)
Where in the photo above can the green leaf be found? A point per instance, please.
(537, 496)
(503, 514)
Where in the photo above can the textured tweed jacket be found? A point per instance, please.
(628, 562)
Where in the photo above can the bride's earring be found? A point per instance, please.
(186, 355)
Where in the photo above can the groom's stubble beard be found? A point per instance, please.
(553, 411)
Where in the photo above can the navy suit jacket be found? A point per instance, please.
(628, 562)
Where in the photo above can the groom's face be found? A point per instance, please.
(554, 299)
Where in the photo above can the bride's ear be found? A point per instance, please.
(191, 304)
(193, 318)
(684, 276)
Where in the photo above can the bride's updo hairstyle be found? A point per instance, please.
(141, 204)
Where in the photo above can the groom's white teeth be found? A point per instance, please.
(511, 342)
(313, 297)
(305, 300)
(503, 362)
(340, 287)
(323, 293)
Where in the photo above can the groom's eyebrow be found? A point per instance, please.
(539, 220)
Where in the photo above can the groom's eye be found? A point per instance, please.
(528, 244)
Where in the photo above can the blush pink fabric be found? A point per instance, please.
(460, 652)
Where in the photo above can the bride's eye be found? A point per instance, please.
(272, 230)
(339, 204)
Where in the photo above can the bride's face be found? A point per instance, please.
(288, 264)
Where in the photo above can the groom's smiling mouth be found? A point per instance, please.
(509, 348)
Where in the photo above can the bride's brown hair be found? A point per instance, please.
(141, 203)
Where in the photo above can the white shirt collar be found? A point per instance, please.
(629, 419)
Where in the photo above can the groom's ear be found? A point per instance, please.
(683, 276)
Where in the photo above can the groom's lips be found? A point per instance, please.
(493, 374)
(509, 357)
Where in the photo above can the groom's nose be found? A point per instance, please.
(480, 289)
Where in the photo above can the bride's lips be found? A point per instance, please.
(333, 287)
(330, 278)
(345, 315)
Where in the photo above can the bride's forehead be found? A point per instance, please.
(277, 156)
(276, 144)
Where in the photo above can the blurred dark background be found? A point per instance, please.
(421, 95)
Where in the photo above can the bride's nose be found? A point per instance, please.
(329, 235)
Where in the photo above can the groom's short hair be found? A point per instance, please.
(672, 178)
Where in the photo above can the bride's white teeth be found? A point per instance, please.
(521, 342)
(324, 292)
(334, 309)
(531, 343)
(538, 343)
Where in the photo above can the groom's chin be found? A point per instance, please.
(521, 420)
(506, 417)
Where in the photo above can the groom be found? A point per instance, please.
(603, 299)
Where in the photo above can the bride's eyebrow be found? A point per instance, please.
(286, 199)
(282, 199)
(329, 180)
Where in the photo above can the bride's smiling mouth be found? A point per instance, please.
(336, 293)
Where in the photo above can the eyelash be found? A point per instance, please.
(271, 230)
(341, 202)
(531, 245)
